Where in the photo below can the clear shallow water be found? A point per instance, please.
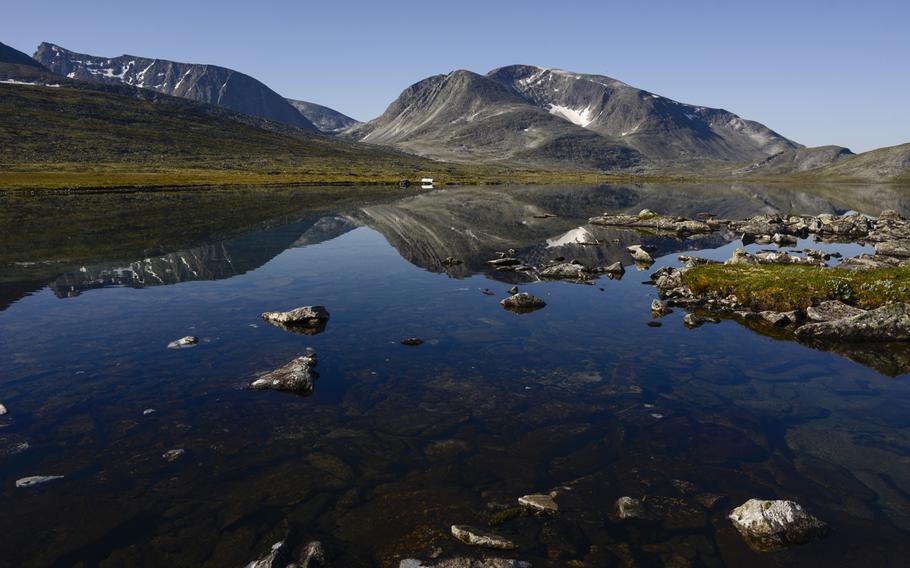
(397, 443)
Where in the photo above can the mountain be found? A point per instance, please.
(203, 83)
(464, 116)
(15, 57)
(531, 114)
(882, 164)
(326, 119)
(793, 161)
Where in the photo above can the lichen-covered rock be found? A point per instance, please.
(894, 249)
(887, 323)
(522, 302)
(477, 537)
(770, 525)
(565, 271)
(741, 256)
(832, 310)
(854, 225)
(297, 376)
(539, 502)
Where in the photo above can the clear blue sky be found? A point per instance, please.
(817, 71)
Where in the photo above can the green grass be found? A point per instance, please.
(788, 287)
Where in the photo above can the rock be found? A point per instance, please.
(692, 321)
(487, 292)
(894, 249)
(477, 537)
(784, 240)
(832, 310)
(34, 480)
(647, 219)
(3, 410)
(451, 261)
(462, 562)
(148, 411)
(639, 254)
(412, 341)
(297, 375)
(659, 309)
(314, 556)
(538, 502)
(780, 319)
(522, 301)
(709, 500)
(887, 323)
(308, 320)
(629, 508)
(173, 455)
(866, 261)
(740, 256)
(504, 261)
(565, 271)
(616, 268)
(853, 225)
(183, 342)
(759, 225)
(513, 290)
(690, 261)
(770, 525)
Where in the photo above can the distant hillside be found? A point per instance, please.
(795, 161)
(203, 83)
(326, 119)
(883, 164)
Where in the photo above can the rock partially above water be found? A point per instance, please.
(522, 302)
(183, 342)
(888, 323)
(173, 455)
(539, 502)
(36, 480)
(3, 410)
(647, 219)
(639, 254)
(477, 537)
(297, 376)
(308, 320)
(659, 309)
(770, 525)
(412, 341)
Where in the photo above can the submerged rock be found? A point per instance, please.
(173, 455)
(887, 323)
(522, 302)
(34, 480)
(832, 310)
(477, 537)
(297, 375)
(639, 254)
(539, 502)
(770, 525)
(462, 562)
(183, 342)
(630, 508)
(280, 556)
(412, 341)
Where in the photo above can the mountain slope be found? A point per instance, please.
(463, 116)
(555, 117)
(16, 57)
(882, 164)
(656, 126)
(794, 161)
(203, 83)
(324, 118)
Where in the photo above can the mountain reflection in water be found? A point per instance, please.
(398, 443)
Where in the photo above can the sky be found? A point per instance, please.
(817, 71)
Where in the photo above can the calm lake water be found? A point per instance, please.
(397, 443)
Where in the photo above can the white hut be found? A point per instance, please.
(427, 183)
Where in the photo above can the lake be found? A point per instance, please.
(397, 443)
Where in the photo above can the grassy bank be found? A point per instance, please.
(789, 287)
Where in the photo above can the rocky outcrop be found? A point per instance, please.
(297, 376)
(476, 537)
(523, 302)
(647, 219)
(887, 323)
(831, 310)
(771, 525)
(307, 320)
